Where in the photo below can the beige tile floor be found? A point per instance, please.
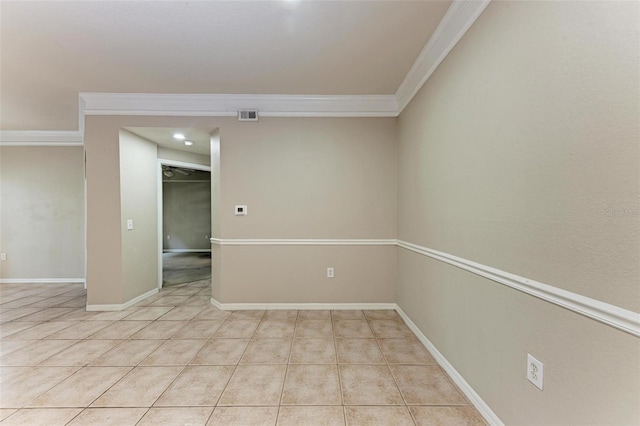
(174, 359)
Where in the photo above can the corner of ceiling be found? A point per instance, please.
(454, 24)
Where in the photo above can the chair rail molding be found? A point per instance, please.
(302, 242)
(606, 313)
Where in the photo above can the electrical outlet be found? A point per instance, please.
(534, 371)
(3, 256)
(168, 236)
(329, 272)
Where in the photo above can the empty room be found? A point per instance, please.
(303, 212)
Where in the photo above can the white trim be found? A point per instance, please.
(620, 318)
(41, 138)
(302, 242)
(301, 306)
(471, 394)
(41, 280)
(122, 306)
(614, 316)
(454, 24)
(215, 105)
(186, 250)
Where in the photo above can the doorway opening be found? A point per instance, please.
(184, 202)
(184, 216)
(186, 224)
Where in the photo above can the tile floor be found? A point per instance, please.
(174, 359)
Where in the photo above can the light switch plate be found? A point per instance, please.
(129, 224)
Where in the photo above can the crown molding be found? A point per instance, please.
(41, 138)
(228, 105)
(454, 24)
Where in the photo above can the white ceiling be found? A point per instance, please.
(163, 136)
(51, 51)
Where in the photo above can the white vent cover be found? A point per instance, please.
(248, 115)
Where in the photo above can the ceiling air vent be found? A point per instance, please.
(248, 115)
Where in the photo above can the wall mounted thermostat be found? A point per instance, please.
(241, 210)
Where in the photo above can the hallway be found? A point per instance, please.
(181, 268)
(175, 359)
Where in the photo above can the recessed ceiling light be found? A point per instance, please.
(188, 143)
(178, 136)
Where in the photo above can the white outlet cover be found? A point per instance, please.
(534, 371)
(129, 224)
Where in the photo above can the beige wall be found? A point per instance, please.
(139, 202)
(512, 155)
(297, 274)
(42, 212)
(301, 178)
(310, 178)
(104, 216)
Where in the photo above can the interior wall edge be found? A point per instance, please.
(465, 387)
(454, 24)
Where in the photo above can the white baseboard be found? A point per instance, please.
(471, 394)
(122, 306)
(186, 250)
(300, 306)
(41, 280)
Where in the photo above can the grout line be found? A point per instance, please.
(335, 348)
(389, 368)
(254, 336)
